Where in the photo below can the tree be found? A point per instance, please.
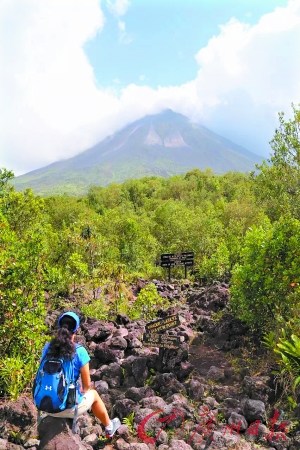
(65, 211)
(100, 198)
(23, 211)
(22, 306)
(23, 248)
(277, 185)
(265, 290)
(238, 216)
(130, 239)
(5, 177)
(286, 141)
(148, 303)
(77, 270)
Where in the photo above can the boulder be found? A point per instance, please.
(121, 444)
(21, 413)
(118, 342)
(138, 393)
(134, 342)
(140, 370)
(122, 319)
(138, 446)
(184, 369)
(220, 440)
(237, 422)
(229, 406)
(3, 444)
(215, 373)
(167, 384)
(104, 354)
(254, 410)
(258, 388)
(170, 359)
(56, 434)
(97, 330)
(278, 440)
(153, 402)
(195, 389)
(177, 444)
(12, 446)
(18, 417)
(113, 375)
(295, 442)
(124, 407)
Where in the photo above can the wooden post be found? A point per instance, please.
(161, 353)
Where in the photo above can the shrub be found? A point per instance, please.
(148, 303)
(265, 285)
(96, 309)
(16, 373)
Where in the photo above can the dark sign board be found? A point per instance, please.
(176, 263)
(170, 260)
(160, 340)
(177, 259)
(182, 255)
(163, 324)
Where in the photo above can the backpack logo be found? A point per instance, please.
(52, 383)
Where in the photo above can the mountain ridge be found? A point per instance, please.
(163, 144)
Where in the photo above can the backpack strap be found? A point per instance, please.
(75, 416)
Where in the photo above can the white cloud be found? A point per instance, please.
(118, 7)
(51, 107)
(50, 99)
(124, 37)
(248, 74)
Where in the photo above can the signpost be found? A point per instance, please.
(153, 336)
(169, 260)
(159, 325)
(161, 341)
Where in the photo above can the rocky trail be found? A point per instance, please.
(203, 357)
(201, 395)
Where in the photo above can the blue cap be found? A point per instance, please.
(74, 316)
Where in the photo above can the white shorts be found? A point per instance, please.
(85, 404)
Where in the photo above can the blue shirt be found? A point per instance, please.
(81, 358)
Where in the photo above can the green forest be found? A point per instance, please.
(243, 228)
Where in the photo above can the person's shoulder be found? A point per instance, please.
(82, 354)
(79, 347)
(80, 350)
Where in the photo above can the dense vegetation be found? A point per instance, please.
(242, 228)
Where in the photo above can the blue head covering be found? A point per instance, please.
(74, 316)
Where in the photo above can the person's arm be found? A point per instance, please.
(85, 377)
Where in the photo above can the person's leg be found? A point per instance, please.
(99, 409)
(93, 400)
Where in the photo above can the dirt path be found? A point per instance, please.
(203, 356)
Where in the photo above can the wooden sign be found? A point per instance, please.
(161, 340)
(170, 260)
(177, 259)
(163, 324)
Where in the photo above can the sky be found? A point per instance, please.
(73, 72)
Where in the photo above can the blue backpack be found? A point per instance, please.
(54, 387)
